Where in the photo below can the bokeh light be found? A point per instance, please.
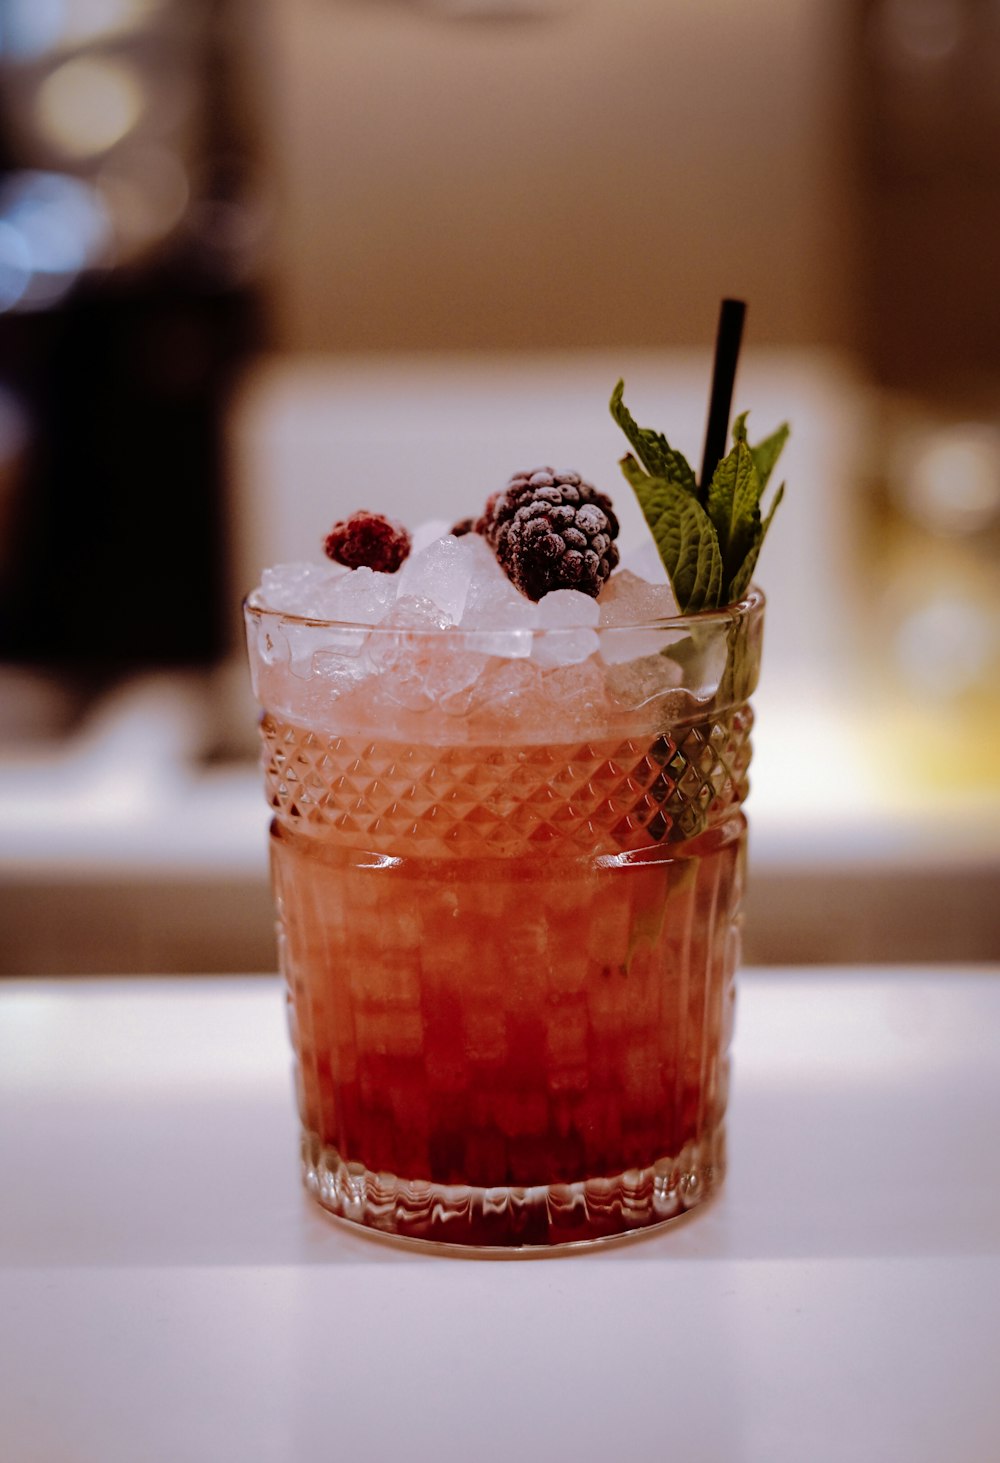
(89, 103)
(32, 28)
(945, 646)
(146, 191)
(52, 228)
(920, 33)
(15, 266)
(949, 479)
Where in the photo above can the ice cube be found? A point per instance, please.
(419, 670)
(501, 615)
(412, 612)
(578, 696)
(643, 559)
(339, 671)
(565, 647)
(627, 601)
(344, 639)
(639, 681)
(567, 607)
(293, 588)
(359, 596)
(397, 648)
(303, 642)
(566, 616)
(441, 573)
(509, 693)
(451, 675)
(427, 533)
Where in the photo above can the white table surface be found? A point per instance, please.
(167, 1292)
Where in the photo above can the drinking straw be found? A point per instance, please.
(727, 349)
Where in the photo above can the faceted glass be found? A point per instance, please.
(508, 889)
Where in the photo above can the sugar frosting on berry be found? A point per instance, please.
(551, 530)
(368, 540)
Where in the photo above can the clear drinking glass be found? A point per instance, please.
(508, 870)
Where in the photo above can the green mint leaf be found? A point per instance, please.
(684, 535)
(740, 582)
(652, 448)
(709, 550)
(766, 453)
(733, 503)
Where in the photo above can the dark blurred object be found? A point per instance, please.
(927, 113)
(131, 291)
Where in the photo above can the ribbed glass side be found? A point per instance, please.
(509, 1216)
(512, 1029)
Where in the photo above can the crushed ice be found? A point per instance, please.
(455, 581)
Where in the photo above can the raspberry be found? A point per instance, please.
(462, 527)
(369, 540)
(550, 530)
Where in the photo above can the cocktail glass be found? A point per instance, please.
(508, 870)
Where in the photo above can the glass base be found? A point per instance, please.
(537, 1218)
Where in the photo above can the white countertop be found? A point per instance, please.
(167, 1292)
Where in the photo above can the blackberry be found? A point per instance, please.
(551, 530)
(368, 540)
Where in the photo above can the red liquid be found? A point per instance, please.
(502, 982)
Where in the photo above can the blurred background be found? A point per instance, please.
(265, 261)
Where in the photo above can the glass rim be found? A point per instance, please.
(723, 618)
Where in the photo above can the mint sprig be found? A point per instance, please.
(684, 534)
(709, 537)
(652, 448)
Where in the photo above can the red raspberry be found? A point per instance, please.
(368, 539)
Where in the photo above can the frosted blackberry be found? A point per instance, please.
(551, 530)
(368, 540)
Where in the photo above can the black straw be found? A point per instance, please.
(727, 349)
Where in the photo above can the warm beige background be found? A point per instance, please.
(597, 177)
